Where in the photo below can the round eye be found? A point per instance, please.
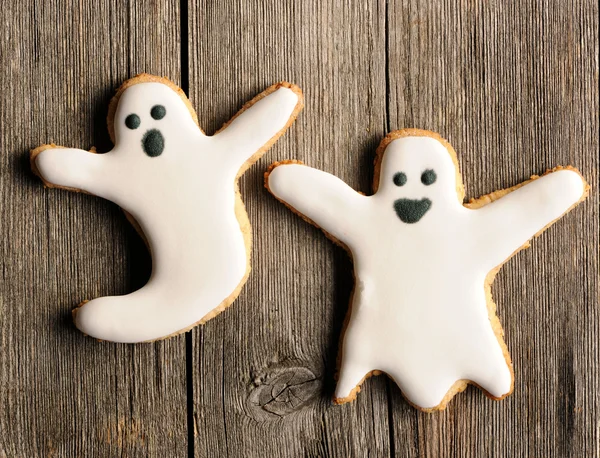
(428, 177)
(400, 179)
(158, 112)
(132, 121)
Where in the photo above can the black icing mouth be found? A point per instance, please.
(410, 211)
(153, 143)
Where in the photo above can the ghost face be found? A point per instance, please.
(152, 121)
(418, 178)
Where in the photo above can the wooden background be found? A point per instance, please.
(512, 84)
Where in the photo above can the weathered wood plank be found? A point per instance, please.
(276, 345)
(62, 394)
(514, 87)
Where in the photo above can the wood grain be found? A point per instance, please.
(516, 93)
(63, 394)
(263, 369)
(512, 85)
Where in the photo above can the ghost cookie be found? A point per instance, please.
(179, 188)
(422, 310)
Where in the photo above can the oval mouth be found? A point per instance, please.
(411, 211)
(153, 143)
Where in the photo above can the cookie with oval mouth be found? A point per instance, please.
(421, 310)
(179, 187)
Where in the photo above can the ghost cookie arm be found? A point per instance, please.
(260, 123)
(322, 198)
(70, 168)
(508, 223)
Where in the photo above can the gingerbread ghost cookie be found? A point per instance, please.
(179, 188)
(422, 310)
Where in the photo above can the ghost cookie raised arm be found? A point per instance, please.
(421, 310)
(318, 196)
(252, 129)
(179, 187)
(507, 230)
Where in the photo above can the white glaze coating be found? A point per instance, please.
(183, 200)
(419, 310)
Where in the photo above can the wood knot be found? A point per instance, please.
(282, 389)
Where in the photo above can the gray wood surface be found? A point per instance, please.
(512, 85)
(263, 369)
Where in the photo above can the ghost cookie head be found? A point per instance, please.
(418, 176)
(151, 119)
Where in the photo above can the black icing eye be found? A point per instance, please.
(158, 112)
(400, 179)
(132, 121)
(428, 177)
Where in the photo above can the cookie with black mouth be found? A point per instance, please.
(411, 211)
(179, 188)
(422, 310)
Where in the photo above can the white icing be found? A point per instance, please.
(419, 307)
(183, 200)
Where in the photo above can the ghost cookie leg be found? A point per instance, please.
(140, 316)
(355, 360)
(70, 168)
(498, 381)
(350, 377)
